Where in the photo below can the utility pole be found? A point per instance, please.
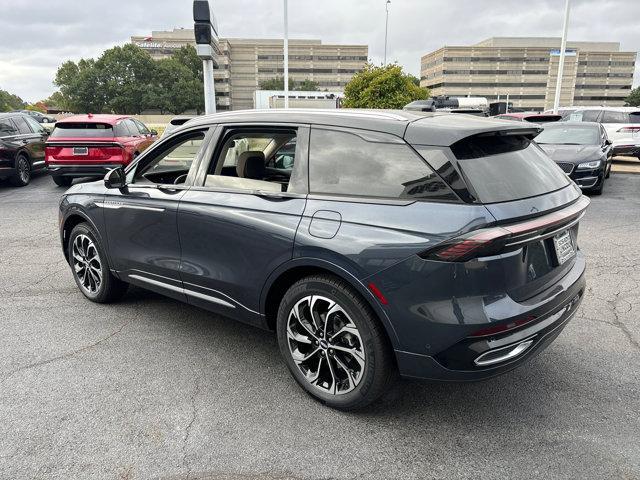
(206, 34)
(386, 30)
(556, 100)
(286, 56)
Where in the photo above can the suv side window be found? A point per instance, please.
(358, 164)
(610, 116)
(141, 127)
(171, 162)
(23, 126)
(7, 128)
(257, 159)
(35, 126)
(131, 126)
(589, 115)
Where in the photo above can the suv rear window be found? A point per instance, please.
(82, 130)
(505, 168)
(634, 117)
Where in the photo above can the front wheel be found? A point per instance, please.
(23, 172)
(333, 344)
(90, 269)
(62, 181)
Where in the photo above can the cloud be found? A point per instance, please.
(38, 35)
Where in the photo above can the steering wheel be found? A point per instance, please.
(180, 179)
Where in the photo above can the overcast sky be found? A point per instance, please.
(36, 36)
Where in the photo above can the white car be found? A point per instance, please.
(621, 123)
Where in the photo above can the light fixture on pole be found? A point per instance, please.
(386, 30)
(563, 46)
(206, 33)
(286, 56)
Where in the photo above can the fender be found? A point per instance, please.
(79, 210)
(341, 272)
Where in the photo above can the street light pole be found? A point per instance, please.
(556, 100)
(386, 30)
(286, 56)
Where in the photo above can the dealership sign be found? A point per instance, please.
(157, 45)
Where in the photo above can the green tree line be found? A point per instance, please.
(9, 102)
(127, 80)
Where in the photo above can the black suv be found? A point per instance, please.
(442, 246)
(21, 147)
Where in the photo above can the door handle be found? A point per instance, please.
(170, 188)
(271, 195)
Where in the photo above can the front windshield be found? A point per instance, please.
(569, 135)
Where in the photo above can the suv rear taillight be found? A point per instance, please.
(494, 240)
(634, 129)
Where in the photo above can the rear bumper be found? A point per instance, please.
(436, 336)
(86, 170)
(424, 367)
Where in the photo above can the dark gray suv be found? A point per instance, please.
(434, 245)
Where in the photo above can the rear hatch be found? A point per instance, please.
(533, 241)
(83, 143)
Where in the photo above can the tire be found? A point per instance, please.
(362, 348)
(23, 172)
(90, 268)
(62, 181)
(609, 171)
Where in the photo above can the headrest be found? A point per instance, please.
(251, 165)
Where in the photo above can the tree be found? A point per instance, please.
(127, 80)
(125, 75)
(80, 85)
(278, 84)
(307, 86)
(9, 101)
(382, 87)
(634, 97)
(59, 101)
(38, 107)
(175, 88)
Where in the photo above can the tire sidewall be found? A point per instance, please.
(314, 286)
(84, 229)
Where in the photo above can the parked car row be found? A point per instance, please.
(79, 146)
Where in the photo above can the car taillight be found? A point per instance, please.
(634, 129)
(504, 327)
(100, 153)
(492, 240)
(483, 242)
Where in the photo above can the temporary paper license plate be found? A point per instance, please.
(564, 246)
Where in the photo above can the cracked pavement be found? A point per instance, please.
(152, 388)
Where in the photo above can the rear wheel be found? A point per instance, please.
(62, 181)
(90, 269)
(23, 172)
(333, 343)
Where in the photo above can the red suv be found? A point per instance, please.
(90, 145)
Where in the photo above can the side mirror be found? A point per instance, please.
(608, 142)
(154, 132)
(115, 178)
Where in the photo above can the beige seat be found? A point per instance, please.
(251, 170)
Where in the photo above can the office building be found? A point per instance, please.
(526, 69)
(244, 63)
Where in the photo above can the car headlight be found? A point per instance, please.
(589, 165)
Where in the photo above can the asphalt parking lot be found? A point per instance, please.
(152, 388)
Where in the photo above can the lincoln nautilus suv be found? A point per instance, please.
(436, 246)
